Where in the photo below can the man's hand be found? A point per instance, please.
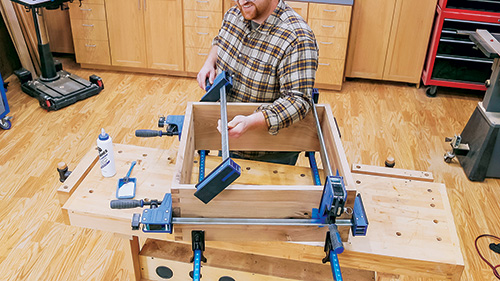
(208, 70)
(240, 124)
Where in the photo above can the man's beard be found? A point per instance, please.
(249, 15)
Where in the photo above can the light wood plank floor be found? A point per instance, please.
(376, 119)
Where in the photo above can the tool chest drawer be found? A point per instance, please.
(457, 58)
(330, 12)
(453, 59)
(472, 5)
(87, 11)
(203, 5)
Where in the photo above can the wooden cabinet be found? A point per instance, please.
(126, 37)
(330, 23)
(90, 32)
(202, 20)
(161, 36)
(301, 8)
(145, 33)
(388, 39)
(164, 33)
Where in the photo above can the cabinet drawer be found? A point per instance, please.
(195, 58)
(87, 11)
(332, 48)
(329, 12)
(203, 5)
(299, 7)
(330, 71)
(101, 2)
(199, 37)
(89, 29)
(202, 18)
(329, 28)
(92, 51)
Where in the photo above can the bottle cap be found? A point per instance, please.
(103, 135)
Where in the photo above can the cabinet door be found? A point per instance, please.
(126, 32)
(409, 38)
(369, 37)
(164, 34)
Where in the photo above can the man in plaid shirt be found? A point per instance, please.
(272, 55)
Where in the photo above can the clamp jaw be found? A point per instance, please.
(156, 219)
(173, 124)
(198, 246)
(333, 199)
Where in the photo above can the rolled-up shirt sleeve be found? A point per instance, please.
(296, 72)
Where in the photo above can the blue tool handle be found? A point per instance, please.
(334, 262)
(197, 265)
(337, 245)
(148, 133)
(207, 84)
(130, 170)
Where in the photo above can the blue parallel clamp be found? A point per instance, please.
(314, 167)
(198, 246)
(158, 219)
(203, 157)
(212, 94)
(333, 199)
(333, 247)
(228, 171)
(173, 123)
(359, 219)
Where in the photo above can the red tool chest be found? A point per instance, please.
(452, 58)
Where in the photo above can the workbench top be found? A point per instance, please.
(411, 228)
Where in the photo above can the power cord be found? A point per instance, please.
(494, 247)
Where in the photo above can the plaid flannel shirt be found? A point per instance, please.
(274, 63)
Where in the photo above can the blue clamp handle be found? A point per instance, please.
(333, 246)
(130, 171)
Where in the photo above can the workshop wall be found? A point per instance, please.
(9, 60)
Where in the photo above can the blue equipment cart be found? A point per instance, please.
(4, 108)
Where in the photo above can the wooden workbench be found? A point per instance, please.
(411, 229)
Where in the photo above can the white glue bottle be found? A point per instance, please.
(106, 155)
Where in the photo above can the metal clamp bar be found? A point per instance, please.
(223, 122)
(324, 154)
(243, 221)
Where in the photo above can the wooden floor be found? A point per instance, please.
(376, 119)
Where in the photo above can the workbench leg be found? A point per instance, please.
(134, 257)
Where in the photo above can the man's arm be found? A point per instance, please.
(296, 72)
(209, 68)
(240, 124)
